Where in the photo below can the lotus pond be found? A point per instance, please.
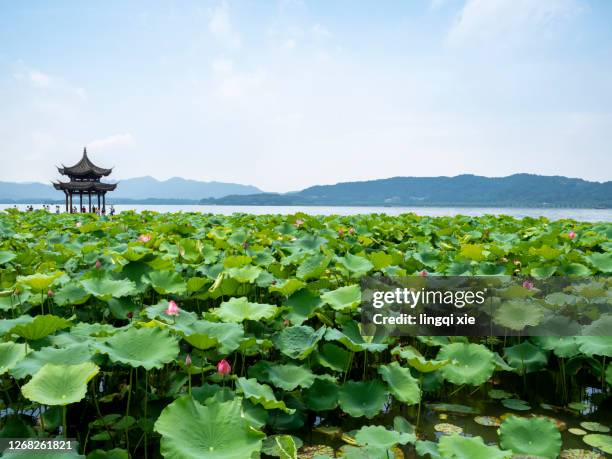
(233, 337)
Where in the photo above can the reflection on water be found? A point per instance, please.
(589, 215)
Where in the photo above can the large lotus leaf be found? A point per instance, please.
(10, 354)
(333, 357)
(287, 286)
(352, 338)
(204, 335)
(602, 261)
(245, 274)
(599, 327)
(427, 447)
(299, 341)
(39, 282)
(536, 436)
(456, 446)
(595, 345)
(70, 355)
(526, 357)
(600, 441)
(343, 298)
(5, 256)
(322, 395)
(149, 347)
(40, 327)
(416, 360)
(60, 384)
(519, 314)
(452, 408)
(216, 431)
(355, 264)
(105, 288)
(470, 363)
(261, 394)
(240, 309)
(562, 346)
(516, 404)
(282, 446)
(363, 398)
(313, 266)
(380, 437)
(402, 384)
(364, 452)
(167, 282)
(302, 305)
(287, 377)
(71, 294)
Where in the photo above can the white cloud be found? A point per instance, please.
(221, 28)
(113, 141)
(222, 65)
(484, 20)
(235, 85)
(39, 79)
(289, 43)
(320, 32)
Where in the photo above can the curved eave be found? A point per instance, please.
(84, 186)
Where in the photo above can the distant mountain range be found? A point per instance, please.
(525, 190)
(140, 189)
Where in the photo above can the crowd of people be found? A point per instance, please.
(75, 210)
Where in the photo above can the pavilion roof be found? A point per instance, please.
(84, 168)
(84, 186)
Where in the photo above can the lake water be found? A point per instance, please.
(590, 215)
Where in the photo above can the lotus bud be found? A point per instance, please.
(98, 264)
(50, 292)
(571, 235)
(286, 322)
(351, 231)
(423, 273)
(188, 361)
(223, 367)
(527, 284)
(172, 309)
(144, 238)
(340, 232)
(299, 222)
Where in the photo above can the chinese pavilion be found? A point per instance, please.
(85, 181)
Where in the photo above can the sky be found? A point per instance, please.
(288, 94)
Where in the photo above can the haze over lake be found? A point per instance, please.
(589, 215)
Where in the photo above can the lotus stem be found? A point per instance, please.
(127, 410)
(64, 422)
(146, 403)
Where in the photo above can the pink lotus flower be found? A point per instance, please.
(78, 224)
(351, 231)
(423, 273)
(341, 232)
(50, 293)
(527, 284)
(144, 238)
(172, 309)
(571, 235)
(299, 222)
(188, 361)
(224, 368)
(98, 264)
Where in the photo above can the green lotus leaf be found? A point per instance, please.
(609, 374)
(536, 436)
(204, 335)
(70, 355)
(282, 446)
(240, 309)
(416, 360)
(402, 384)
(343, 298)
(333, 357)
(363, 398)
(488, 421)
(525, 357)
(543, 272)
(355, 264)
(167, 282)
(322, 395)
(39, 282)
(115, 453)
(602, 442)
(40, 327)
(446, 428)
(71, 294)
(379, 437)
(595, 427)
(261, 394)
(5, 257)
(287, 377)
(519, 314)
(59, 384)
(602, 261)
(299, 341)
(105, 288)
(516, 404)
(216, 431)
(10, 354)
(599, 327)
(452, 408)
(352, 338)
(456, 446)
(245, 274)
(595, 345)
(427, 447)
(302, 305)
(562, 346)
(499, 394)
(141, 347)
(287, 287)
(313, 266)
(470, 363)
(364, 452)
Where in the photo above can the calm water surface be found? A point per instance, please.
(591, 215)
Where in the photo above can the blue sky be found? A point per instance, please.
(287, 94)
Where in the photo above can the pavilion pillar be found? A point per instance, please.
(66, 193)
(80, 201)
(104, 202)
(71, 201)
(89, 194)
(98, 202)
